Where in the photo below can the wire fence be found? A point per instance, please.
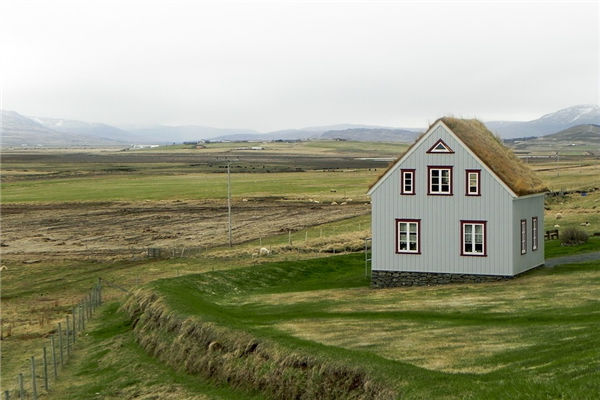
(44, 367)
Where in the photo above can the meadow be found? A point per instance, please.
(64, 202)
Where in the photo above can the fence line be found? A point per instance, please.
(39, 381)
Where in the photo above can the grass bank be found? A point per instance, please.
(534, 337)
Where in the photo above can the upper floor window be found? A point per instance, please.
(440, 180)
(407, 181)
(440, 147)
(408, 236)
(473, 183)
(523, 236)
(534, 233)
(473, 239)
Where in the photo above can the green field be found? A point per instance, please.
(531, 338)
(291, 185)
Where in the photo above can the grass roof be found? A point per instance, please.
(495, 155)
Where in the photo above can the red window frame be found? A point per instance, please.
(462, 238)
(433, 151)
(407, 171)
(397, 246)
(523, 242)
(534, 233)
(468, 184)
(448, 167)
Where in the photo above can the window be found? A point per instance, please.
(440, 147)
(473, 238)
(534, 233)
(523, 236)
(408, 236)
(407, 181)
(473, 182)
(440, 180)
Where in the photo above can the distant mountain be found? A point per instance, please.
(170, 134)
(340, 131)
(372, 135)
(549, 123)
(589, 133)
(18, 130)
(95, 130)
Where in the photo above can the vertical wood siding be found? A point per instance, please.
(440, 216)
(526, 208)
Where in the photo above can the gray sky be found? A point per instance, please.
(273, 65)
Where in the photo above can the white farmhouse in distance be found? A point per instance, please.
(458, 206)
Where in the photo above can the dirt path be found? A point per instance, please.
(575, 258)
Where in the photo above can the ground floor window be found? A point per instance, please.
(408, 236)
(473, 238)
(534, 233)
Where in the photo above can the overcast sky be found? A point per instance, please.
(274, 65)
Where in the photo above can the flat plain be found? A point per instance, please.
(69, 217)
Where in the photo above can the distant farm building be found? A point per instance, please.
(457, 206)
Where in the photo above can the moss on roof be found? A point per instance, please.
(498, 158)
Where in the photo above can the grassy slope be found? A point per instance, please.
(115, 367)
(560, 357)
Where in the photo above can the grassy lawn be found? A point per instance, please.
(553, 248)
(532, 338)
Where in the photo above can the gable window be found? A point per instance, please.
(523, 236)
(440, 180)
(440, 147)
(534, 233)
(473, 182)
(407, 181)
(473, 238)
(408, 236)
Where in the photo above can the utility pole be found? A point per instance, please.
(229, 200)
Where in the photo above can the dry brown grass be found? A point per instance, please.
(499, 158)
(241, 360)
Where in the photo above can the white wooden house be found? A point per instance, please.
(457, 206)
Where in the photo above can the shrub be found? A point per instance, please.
(573, 237)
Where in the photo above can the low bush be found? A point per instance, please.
(573, 237)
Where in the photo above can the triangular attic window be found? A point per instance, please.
(440, 147)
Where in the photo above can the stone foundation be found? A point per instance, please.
(386, 279)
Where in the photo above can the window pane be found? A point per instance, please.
(413, 227)
(478, 229)
(479, 247)
(468, 229)
(402, 245)
(413, 246)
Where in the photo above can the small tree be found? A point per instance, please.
(573, 237)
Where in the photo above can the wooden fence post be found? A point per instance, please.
(81, 311)
(21, 389)
(54, 357)
(45, 370)
(60, 345)
(74, 324)
(33, 383)
(100, 291)
(68, 336)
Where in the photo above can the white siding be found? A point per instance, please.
(441, 215)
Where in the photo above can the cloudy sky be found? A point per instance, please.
(283, 64)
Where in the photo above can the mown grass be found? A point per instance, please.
(539, 331)
(554, 248)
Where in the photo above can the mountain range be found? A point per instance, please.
(24, 131)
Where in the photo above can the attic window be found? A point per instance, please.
(440, 180)
(408, 181)
(440, 147)
(472, 182)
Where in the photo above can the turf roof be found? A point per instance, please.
(498, 158)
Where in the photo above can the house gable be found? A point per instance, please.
(434, 131)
